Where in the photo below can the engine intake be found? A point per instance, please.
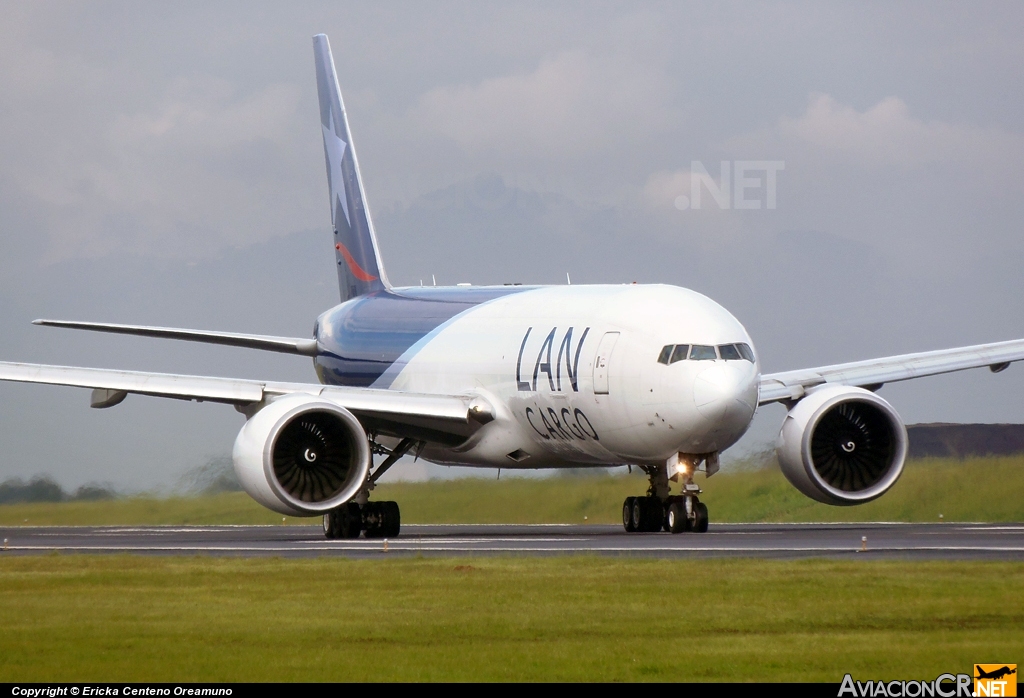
(842, 445)
(302, 455)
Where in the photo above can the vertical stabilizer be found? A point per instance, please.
(355, 246)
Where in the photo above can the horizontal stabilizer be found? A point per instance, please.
(286, 345)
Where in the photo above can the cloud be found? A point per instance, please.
(570, 104)
(203, 166)
(106, 155)
(884, 135)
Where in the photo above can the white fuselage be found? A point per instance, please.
(574, 378)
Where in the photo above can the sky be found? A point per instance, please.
(162, 164)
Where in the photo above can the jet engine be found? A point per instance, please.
(302, 455)
(842, 445)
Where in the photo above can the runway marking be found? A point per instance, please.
(454, 541)
(500, 525)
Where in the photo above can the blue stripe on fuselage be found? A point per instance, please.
(363, 337)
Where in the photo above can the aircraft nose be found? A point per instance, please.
(726, 390)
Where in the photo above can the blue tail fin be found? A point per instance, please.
(359, 267)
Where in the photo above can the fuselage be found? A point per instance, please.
(577, 375)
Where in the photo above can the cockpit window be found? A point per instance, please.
(670, 353)
(729, 352)
(665, 355)
(702, 352)
(680, 353)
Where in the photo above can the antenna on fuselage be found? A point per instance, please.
(568, 281)
(434, 279)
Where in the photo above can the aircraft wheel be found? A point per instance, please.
(344, 522)
(391, 519)
(700, 517)
(637, 514)
(381, 519)
(372, 520)
(349, 520)
(329, 525)
(655, 514)
(676, 520)
(647, 514)
(627, 515)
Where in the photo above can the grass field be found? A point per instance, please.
(136, 618)
(979, 489)
(124, 618)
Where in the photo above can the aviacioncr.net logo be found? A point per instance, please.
(943, 686)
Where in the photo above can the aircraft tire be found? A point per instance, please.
(700, 517)
(647, 514)
(391, 519)
(627, 515)
(637, 512)
(676, 520)
(349, 521)
(372, 520)
(655, 513)
(330, 530)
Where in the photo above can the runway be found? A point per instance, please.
(883, 540)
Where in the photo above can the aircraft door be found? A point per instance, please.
(602, 360)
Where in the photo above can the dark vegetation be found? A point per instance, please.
(965, 440)
(216, 476)
(44, 489)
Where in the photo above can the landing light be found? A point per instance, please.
(680, 465)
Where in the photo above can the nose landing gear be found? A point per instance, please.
(681, 513)
(686, 514)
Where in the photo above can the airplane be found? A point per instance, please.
(995, 673)
(647, 375)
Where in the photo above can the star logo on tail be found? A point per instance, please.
(335, 148)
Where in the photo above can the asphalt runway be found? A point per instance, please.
(883, 540)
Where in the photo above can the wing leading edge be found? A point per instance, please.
(792, 385)
(440, 417)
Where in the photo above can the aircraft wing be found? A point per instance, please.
(873, 373)
(417, 415)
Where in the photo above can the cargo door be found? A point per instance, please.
(602, 361)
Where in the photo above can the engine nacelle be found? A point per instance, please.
(842, 445)
(302, 455)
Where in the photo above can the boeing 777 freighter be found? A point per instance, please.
(655, 376)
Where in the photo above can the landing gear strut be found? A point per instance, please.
(375, 519)
(659, 510)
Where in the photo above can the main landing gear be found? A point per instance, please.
(681, 513)
(375, 519)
